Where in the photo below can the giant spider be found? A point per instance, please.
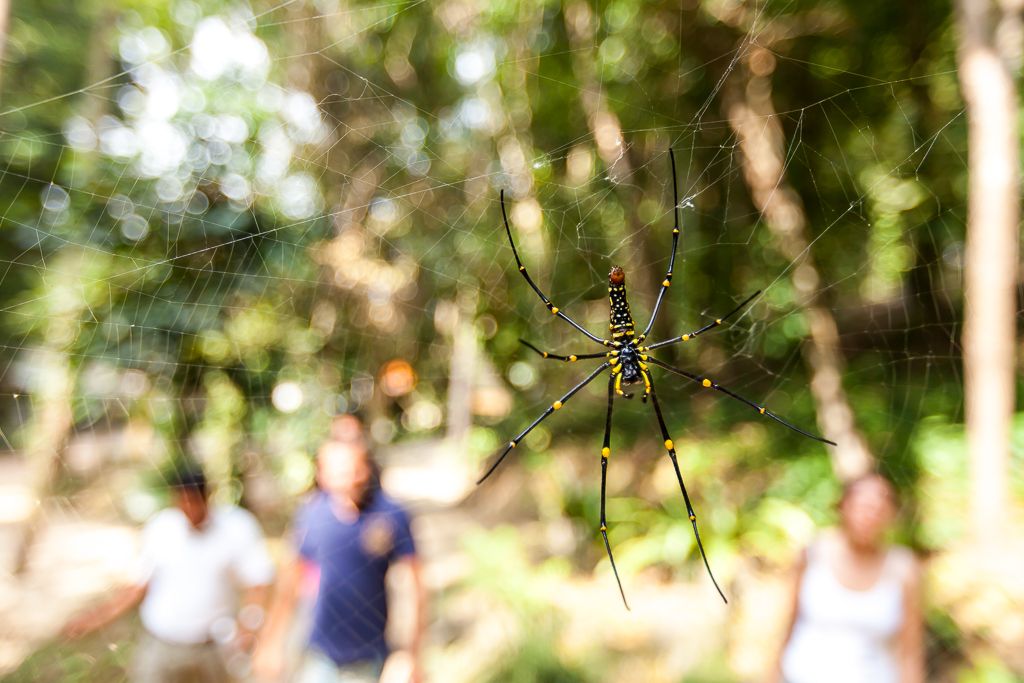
(628, 359)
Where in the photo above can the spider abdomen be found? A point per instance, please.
(630, 363)
(621, 320)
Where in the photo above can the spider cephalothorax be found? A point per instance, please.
(627, 360)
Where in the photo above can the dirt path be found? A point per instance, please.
(72, 562)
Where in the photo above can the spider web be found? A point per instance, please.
(269, 214)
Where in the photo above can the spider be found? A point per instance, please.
(628, 361)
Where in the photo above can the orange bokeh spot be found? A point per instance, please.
(397, 378)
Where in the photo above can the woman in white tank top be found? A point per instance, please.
(856, 615)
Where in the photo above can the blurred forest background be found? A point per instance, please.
(221, 222)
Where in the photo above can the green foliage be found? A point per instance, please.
(502, 570)
(988, 670)
(502, 573)
(535, 661)
(941, 451)
(104, 656)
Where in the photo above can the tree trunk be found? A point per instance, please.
(606, 131)
(52, 421)
(993, 218)
(52, 388)
(463, 367)
(753, 117)
(47, 434)
(603, 123)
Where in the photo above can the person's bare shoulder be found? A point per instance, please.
(825, 544)
(907, 565)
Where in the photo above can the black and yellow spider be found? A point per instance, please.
(628, 359)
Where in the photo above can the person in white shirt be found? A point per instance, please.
(855, 604)
(196, 558)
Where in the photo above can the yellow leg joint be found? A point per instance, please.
(718, 321)
(665, 283)
(554, 310)
(693, 518)
(706, 382)
(605, 452)
(511, 444)
(669, 446)
(761, 410)
(685, 337)
(544, 353)
(556, 405)
(604, 528)
(572, 359)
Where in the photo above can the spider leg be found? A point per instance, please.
(605, 452)
(667, 282)
(572, 358)
(547, 302)
(709, 384)
(670, 447)
(709, 326)
(550, 409)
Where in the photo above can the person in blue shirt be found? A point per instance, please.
(353, 533)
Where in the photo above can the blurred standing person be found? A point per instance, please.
(195, 560)
(354, 533)
(344, 427)
(855, 613)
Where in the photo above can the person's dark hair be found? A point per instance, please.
(188, 477)
(359, 422)
(359, 415)
(372, 484)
